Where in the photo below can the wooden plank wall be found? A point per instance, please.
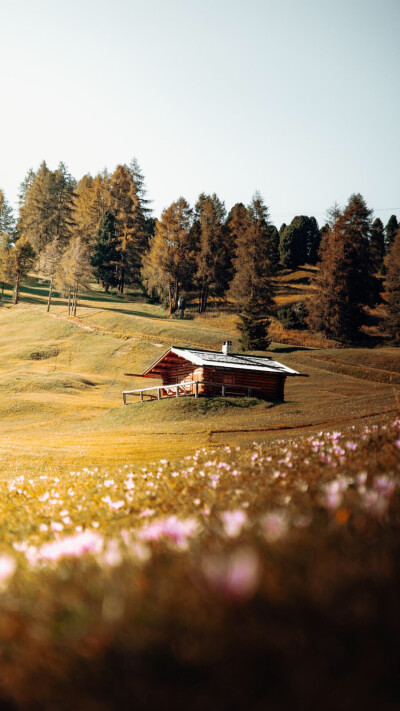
(176, 373)
(272, 384)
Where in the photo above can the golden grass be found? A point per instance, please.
(61, 381)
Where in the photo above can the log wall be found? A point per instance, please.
(270, 385)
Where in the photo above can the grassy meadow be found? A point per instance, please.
(215, 554)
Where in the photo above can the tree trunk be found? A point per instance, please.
(69, 301)
(121, 281)
(170, 298)
(16, 290)
(75, 299)
(205, 297)
(176, 295)
(50, 293)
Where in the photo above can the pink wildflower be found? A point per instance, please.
(333, 496)
(233, 522)
(275, 526)
(116, 505)
(57, 527)
(375, 503)
(352, 446)
(384, 485)
(112, 556)
(171, 528)
(146, 512)
(72, 546)
(8, 567)
(235, 576)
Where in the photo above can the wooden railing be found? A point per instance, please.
(159, 392)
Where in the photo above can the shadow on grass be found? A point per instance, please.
(291, 349)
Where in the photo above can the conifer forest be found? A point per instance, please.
(103, 228)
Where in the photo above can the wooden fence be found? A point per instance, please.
(161, 392)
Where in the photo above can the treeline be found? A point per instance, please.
(102, 227)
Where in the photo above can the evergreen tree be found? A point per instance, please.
(282, 229)
(91, 202)
(106, 256)
(313, 239)
(333, 213)
(129, 226)
(299, 242)
(145, 204)
(213, 259)
(288, 247)
(46, 202)
(323, 236)
(252, 286)
(237, 223)
(390, 232)
(6, 261)
(74, 273)
(167, 263)
(393, 289)
(377, 244)
(345, 283)
(7, 220)
(37, 211)
(21, 259)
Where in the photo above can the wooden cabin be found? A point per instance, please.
(191, 371)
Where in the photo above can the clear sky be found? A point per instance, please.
(296, 98)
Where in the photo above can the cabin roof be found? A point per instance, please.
(220, 360)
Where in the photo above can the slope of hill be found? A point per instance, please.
(61, 381)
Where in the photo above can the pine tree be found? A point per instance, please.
(345, 283)
(213, 259)
(237, 223)
(377, 244)
(169, 258)
(74, 273)
(7, 220)
(393, 289)
(37, 211)
(46, 202)
(252, 286)
(333, 213)
(299, 242)
(390, 232)
(21, 260)
(313, 239)
(6, 261)
(129, 225)
(92, 200)
(105, 257)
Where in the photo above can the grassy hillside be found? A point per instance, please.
(61, 381)
(219, 554)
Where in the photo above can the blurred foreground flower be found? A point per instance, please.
(171, 528)
(275, 526)
(8, 567)
(233, 522)
(87, 542)
(235, 576)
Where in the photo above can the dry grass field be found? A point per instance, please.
(220, 554)
(61, 381)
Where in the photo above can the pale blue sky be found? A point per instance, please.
(298, 99)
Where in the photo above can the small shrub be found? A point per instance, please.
(293, 316)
